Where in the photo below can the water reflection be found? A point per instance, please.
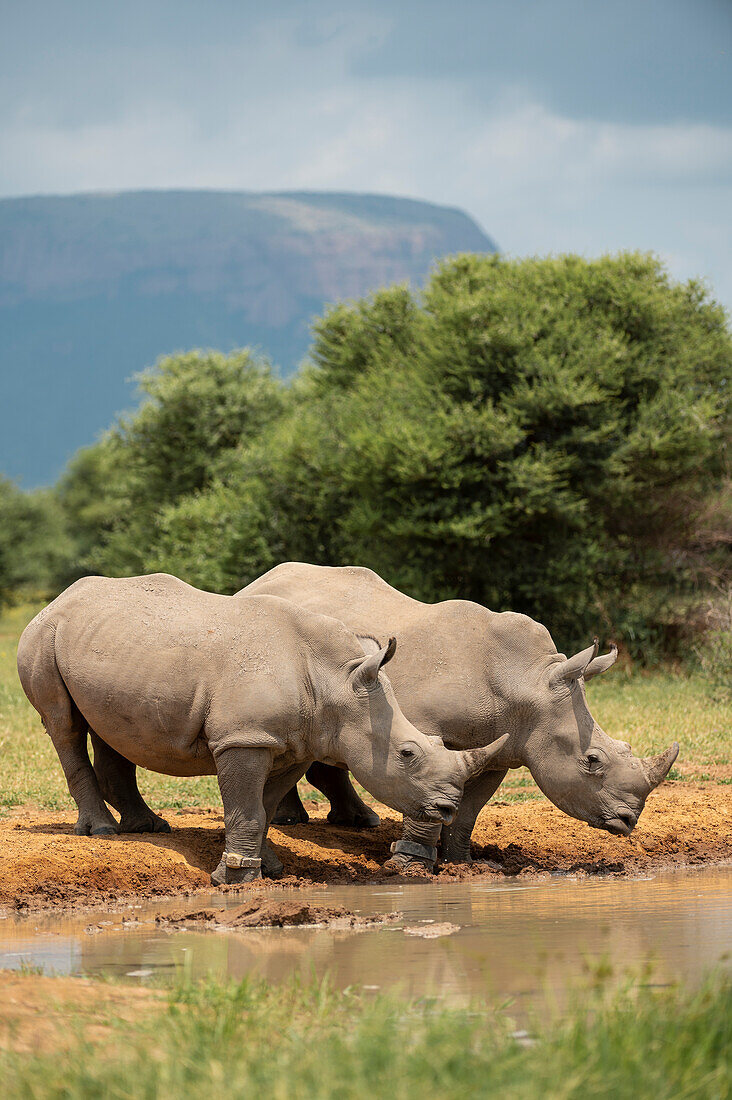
(516, 939)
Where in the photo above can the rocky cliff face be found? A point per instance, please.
(95, 287)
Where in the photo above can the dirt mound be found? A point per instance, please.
(680, 826)
(43, 863)
(35, 1010)
(261, 912)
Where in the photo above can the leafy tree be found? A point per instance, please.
(200, 407)
(217, 540)
(93, 495)
(548, 436)
(545, 441)
(539, 435)
(34, 545)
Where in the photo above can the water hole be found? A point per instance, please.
(516, 940)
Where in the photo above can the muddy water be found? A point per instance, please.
(516, 939)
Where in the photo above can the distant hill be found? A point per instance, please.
(95, 287)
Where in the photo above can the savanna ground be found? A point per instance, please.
(77, 1037)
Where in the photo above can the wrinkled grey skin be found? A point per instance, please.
(185, 682)
(470, 676)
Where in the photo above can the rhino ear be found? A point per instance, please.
(367, 672)
(602, 664)
(574, 667)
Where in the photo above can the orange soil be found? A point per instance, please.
(35, 1010)
(43, 864)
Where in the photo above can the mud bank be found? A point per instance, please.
(44, 865)
(263, 912)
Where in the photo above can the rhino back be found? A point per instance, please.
(353, 594)
(447, 657)
(150, 662)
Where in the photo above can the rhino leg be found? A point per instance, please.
(291, 810)
(117, 779)
(417, 847)
(456, 837)
(242, 774)
(67, 728)
(273, 799)
(346, 808)
(272, 865)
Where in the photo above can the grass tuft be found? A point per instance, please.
(309, 1041)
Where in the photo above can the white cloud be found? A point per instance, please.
(275, 113)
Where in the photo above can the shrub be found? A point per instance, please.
(539, 435)
(34, 545)
(542, 435)
(200, 408)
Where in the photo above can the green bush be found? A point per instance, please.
(34, 545)
(539, 435)
(200, 408)
(546, 435)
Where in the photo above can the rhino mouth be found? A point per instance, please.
(621, 825)
(443, 811)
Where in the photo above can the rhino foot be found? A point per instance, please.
(411, 855)
(290, 810)
(147, 823)
(87, 826)
(291, 817)
(455, 845)
(357, 817)
(400, 864)
(225, 875)
(456, 855)
(272, 866)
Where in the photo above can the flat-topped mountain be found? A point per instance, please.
(95, 287)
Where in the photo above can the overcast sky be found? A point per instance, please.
(584, 125)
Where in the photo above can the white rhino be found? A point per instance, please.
(186, 682)
(471, 676)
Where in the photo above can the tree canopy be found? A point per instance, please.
(542, 435)
(545, 435)
(35, 547)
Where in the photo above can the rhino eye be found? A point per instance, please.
(594, 763)
(406, 754)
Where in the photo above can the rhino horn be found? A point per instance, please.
(475, 761)
(658, 767)
(601, 664)
(574, 667)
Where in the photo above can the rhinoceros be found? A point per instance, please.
(185, 682)
(470, 676)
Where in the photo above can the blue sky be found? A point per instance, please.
(560, 125)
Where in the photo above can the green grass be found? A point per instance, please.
(310, 1042)
(648, 709)
(651, 709)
